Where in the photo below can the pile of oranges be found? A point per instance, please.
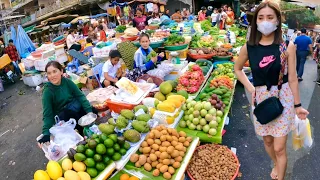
(127, 177)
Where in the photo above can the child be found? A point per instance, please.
(88, 48)
(103, 35)
(141, 64)
(111, 71)
(12, 52)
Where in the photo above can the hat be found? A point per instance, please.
(210, 8)
(203, 8)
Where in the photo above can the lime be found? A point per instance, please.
(121, 141)
(126, 145)
(97, 140)
(100, 166)
(92, 144)
(79, 157)
(114, 137)
(97, 158)
(116, 147)
(94, 136)
(103, 137)
(123, 151)
(90, 162)
(92, 172)
(108, 143)
(81, 149)
(101, 149)
(89, 153)
(110, 151)
(116, 156)
(106, 160)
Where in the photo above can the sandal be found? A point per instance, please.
(273, 173)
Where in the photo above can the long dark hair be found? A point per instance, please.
(255, 35)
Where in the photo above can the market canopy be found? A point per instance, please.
(11, 17)
(99, 15)
(81, 18)
(45, 22)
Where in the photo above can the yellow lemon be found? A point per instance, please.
(170, 119)
(41, 175)
(152, 111)
(84, 176)
(66, 164)
(54, 170)
(79, 166)
(71, 175)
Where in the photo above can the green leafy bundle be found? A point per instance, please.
(174, 40)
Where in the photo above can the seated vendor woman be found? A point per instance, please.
(111, 71)
(62, 98)
(141, 63)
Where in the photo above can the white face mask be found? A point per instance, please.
(266, 27)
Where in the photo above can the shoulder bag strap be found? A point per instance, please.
(283, 58)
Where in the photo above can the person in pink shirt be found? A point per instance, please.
(140, 21)
(202, 14)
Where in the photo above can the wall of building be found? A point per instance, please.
(46, 3)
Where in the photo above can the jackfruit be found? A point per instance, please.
(132, 135)
(127, 114)
(111, 121)
(106, 128)
(144, 117)
(121, 123)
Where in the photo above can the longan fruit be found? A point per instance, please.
(157, 153)
(186, 144)
(155, 147)
(182, 134)
(156, 172)
(151, 135)
(164, 155)
(174, 138)
(181, 153)
(149, 160)
(174, 143)
(170, 149)
(169, 138)
(147, 167)
(150, 141)
(175, 133)
(164, 132)
(146, 150)
(184, 149)
(164, 168)
(167, 175)
(140, 149)
(166, 161)
(153, 157)
(144, 144)
(152, 151)
(178, 159)
(169, 130)
(137, 164)
(163, 138)
(166, 144)
(176, 165)
(172, 161)
(154, 164)
(142, 159)
(163, 149)
(157, 141)
(157, 134)
(171, 170)
(134, 158)
(179, 147)
(181, 139)
(175, 153)
(189, 139)
(159, 165)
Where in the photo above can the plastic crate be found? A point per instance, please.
(117, 107)
(32, 80)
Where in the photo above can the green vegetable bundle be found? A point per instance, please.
(121, 28)
(174, 40)
(151, 55)
(206, 25)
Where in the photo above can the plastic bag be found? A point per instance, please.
(64, 134)
(301, 136)
(55, 151)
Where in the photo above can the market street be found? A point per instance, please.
(21, 123)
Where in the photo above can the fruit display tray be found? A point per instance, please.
(178, 175)
(205, 137)
(194, 95)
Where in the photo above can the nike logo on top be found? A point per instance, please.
(266, 61)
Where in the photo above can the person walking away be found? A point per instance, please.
(294, 35)
(214, 17)
(12, 52)
(243, 18)
(202, 14)
(177, 16)
(304, 47)
(140, 21)
(273, 69)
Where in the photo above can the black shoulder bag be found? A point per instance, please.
(271, 108)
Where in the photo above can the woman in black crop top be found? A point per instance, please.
(263, 53)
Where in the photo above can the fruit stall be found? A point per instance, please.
(159, 127)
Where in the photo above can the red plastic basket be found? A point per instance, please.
(133, 38)
(117, 107)
(62, 41)
(235, 156)
(201, 56)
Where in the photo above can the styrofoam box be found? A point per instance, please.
(62, 58)
(40, 65)
(32, 80)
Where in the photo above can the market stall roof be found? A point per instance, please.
(80, 18)
(11, 17)
(29, 29)
(99, 15)
(45, 22)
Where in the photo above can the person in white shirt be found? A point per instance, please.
(71, 38)
(294, 35)
(214, 16)
(111, 70)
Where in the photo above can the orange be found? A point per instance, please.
(133, 178)
(170, 119)
(124, 177)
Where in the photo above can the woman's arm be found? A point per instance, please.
(80, 96)
(48, 116)
(292, 73)
(238, 66)
(139, 62)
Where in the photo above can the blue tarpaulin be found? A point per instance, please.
(13, 34)
(23, 43)
(64, 25)
(99, 15)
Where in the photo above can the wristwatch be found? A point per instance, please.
(297, 105)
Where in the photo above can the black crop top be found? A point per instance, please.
(265, 64)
